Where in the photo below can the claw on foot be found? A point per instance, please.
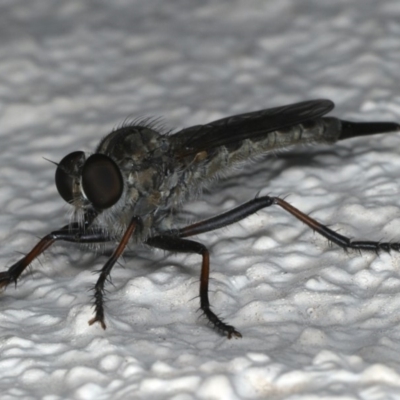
(99, 320)
(235, 333)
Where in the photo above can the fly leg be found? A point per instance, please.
(69, 233)
(105, 272)
(172, 241)
(176, 244)
(342, 241)
(75, 234)
(254, 205)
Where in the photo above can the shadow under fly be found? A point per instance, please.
(132, 187)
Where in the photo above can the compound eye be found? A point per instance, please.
(102, 181)
(66, 172)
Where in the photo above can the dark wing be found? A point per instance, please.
(250, 125)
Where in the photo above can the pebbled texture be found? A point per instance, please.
(316, 322)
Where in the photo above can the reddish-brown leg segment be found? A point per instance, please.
(68, 233)
(179, 245)
(172, 241)
(105, 272)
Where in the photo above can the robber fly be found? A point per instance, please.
(131, 188)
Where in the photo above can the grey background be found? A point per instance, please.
(316, 322)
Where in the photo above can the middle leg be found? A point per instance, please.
(176, 244)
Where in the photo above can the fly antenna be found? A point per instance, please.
(53, 162)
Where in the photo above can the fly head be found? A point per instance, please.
(95, 181)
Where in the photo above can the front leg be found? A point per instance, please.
(69, 233)
(179, 245)
(105, 272)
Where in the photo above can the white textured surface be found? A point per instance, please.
(316, 322)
